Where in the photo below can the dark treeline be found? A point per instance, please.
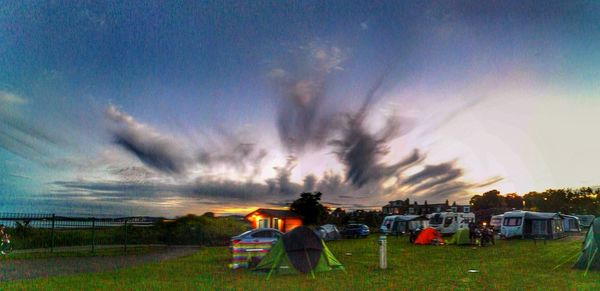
(584, 200)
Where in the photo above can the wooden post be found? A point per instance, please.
(125, 236)
(93, 235)
(52, 234)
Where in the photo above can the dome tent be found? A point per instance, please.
(461, 237)
(590, 256)
(299, 251)
(429, 236)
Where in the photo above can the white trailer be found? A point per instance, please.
(496, 222)
(400, 224)
(450, 222)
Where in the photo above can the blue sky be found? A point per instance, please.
(164, 108)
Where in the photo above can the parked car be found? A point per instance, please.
(327, 232)
(259, 235)
(355, 230)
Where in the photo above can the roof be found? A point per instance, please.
(540, 215)
(411, 217)
(275, 212)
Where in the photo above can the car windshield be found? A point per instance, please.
(244, 233)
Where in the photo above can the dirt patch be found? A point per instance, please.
(35, 268)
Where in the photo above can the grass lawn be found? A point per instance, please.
(509, 265)
(100, 252)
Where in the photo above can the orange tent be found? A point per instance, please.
(427, 236)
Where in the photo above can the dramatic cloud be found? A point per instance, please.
(233, 152)
(154, 149)
(303, 118)
(178, 155)
(442, 181)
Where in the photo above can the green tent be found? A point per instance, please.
(590, 256)
(299, 251)
(461, 237)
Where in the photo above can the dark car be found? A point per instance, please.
(355, 230)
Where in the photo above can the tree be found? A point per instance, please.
(209, 214)
(514, 201)
(310, 208)
(489, 200)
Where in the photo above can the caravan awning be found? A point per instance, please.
(541, 215)
(411, 217)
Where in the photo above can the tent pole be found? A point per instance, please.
(590, 262)
(309, 263)
(276, 263)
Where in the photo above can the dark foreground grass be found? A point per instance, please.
(510, 265)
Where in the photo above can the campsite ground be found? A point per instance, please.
(509, 265)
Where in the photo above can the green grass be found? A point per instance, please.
(510, 265)
(101, 252)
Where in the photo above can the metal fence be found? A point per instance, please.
(47, 227)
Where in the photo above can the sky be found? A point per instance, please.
(167, 108)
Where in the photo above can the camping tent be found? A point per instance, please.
(299, 251)
(429, 236)
(590, 257)
(461, 237)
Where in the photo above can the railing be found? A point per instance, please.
(41, 223)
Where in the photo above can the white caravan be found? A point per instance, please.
(530, 224)
(400, 224)
(496, 222)
(512, 224)
(450, 222)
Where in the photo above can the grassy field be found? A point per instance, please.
(509, 265)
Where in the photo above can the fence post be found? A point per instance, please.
(52, 234)
(125, 236)
(93, 234)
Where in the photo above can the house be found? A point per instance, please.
(404, 207)
(283, 220)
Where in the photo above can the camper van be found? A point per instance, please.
(400, 224)
(529, 224)
(450, 222)
(496, 222)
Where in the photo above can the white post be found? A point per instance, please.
(382, 252)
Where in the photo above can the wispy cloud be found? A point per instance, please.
(8, 98)
(22, 136)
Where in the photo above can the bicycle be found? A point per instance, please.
(5, 246)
